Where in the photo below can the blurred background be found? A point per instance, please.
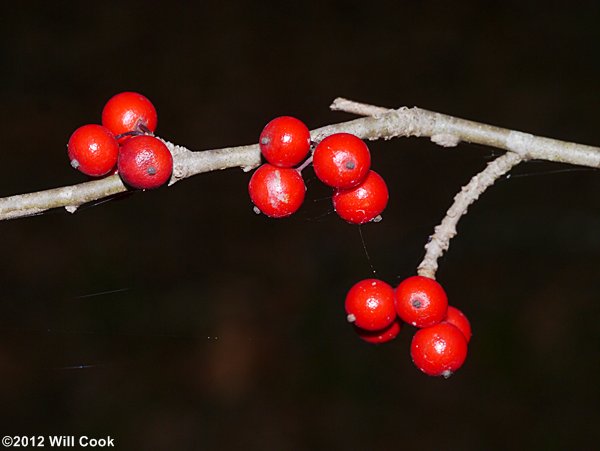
(179, 319)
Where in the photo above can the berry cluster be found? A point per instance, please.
(439, 347)
(124, 143)
(341, 161)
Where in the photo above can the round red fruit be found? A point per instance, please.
(379, 336)
(276, 192)
(460, 321)
(342, 160)
(145, 162)
(439, 350)
(285, 141)
(370, 304)
(364, 202)
(129, 112)
(421, 301)
(93, 150)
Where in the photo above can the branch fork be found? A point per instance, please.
(377, 123)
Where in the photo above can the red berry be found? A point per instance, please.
(145, 162)
(370, 304)
(379, 336)
(439, 350)
(364, 202)
(460, 321)
(276, 192)
(342, 160)
(421, 301)
(93, 150)
(285, 141)
(129, 112)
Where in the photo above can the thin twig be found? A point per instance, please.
(446, 230)
(185, 164)
(448, 131)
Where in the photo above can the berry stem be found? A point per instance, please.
(305, 164)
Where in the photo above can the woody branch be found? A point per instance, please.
(442, 129)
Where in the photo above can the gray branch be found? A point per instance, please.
(449, 131)
(381, 123)
(446, 230)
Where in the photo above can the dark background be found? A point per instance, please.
(200, 325)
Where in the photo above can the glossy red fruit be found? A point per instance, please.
(93, 150)
(145, 162)
(439, 350)
(380, 336)
(342, 160)
(370, 304)
(285, 141)
(129, 112)
(421, 301)
(364, 202)
(460, 321)
(276, 192)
